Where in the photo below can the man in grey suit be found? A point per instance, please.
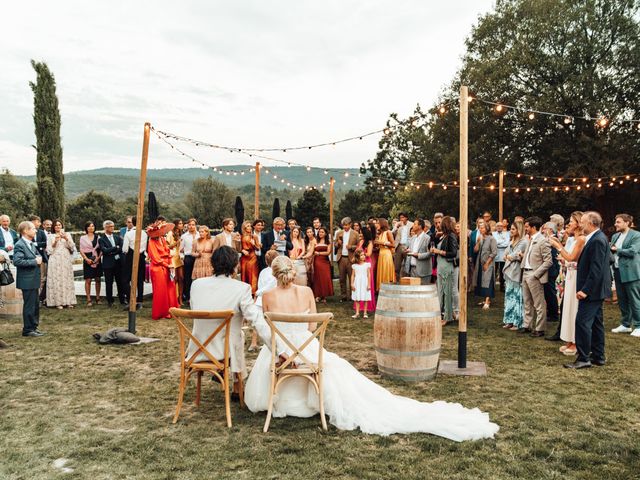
(535, 265)
(27, 262)
(418, 257)
(625, 246)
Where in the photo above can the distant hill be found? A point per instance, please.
(174, 183)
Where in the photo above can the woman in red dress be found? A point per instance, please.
(322, 283)
(164, 288)
(249, 260)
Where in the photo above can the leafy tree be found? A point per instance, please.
(210, 201)
(46, 117)
(94, 206)
(18, 199)
(312, 204)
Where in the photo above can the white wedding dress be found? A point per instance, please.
(353, 401)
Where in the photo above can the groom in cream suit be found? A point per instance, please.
(418, 261)
(535, 266)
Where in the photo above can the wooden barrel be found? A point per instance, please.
(12, 299)
(407, 332)
(301, 272)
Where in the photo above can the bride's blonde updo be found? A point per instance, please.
(283, 270)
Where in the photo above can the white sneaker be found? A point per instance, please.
(636, 333)
(622, 329)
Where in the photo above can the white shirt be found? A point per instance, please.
(618, 244)
(187, 242)
(527, 263)
(266, 281)
(8, 239)
(228, 237)
(404, 234)
(130, 241)
(31, 244)
(258, 251)
(588, 237)
(345, 241)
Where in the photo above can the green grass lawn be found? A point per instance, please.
(108, 409)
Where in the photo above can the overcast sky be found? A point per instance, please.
(243, 73)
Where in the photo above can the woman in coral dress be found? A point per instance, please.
(164, 288)
(322, 283)
(386, 271)
(203, 251)
(249, 260)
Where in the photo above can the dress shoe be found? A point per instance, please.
(537, 334)
(40, 332)
(33, 334)
(599, 363)
(577, 365)
(553, 338)
(524, 330)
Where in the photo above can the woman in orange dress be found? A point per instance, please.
(249, 260)
(203, 251)
(386, 270)
(164, 289)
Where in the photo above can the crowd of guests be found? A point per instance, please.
(535, 263)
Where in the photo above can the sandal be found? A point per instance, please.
(365, 316)
(98, 302)
(89, 304)
(59, 307)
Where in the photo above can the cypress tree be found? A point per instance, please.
(46, 117)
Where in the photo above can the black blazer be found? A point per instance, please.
(594, 275)
(109, 252)
(41, 244)
(268, 240)
(450, 246)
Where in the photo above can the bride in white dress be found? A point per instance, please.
(351, 400)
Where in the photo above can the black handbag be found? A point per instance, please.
(6, 277)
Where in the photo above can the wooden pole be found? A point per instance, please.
(500, 195)
(256, 215)
(464, 213)
(139, 227)
(331, 183)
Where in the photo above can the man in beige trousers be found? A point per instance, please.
(535, 265)
(346, 244)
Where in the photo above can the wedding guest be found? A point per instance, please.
(558, 220)
(486, 217)
(570, 252)
(310, 247)
(625, 246)
(276, 238)
(187, 245)
(298, 254)
(456, 275)
(472, 255)
(502, 242)
(113, 263)
(356, 227)
(513, 317)
(550, 292)
(8, 236)
(418, 256)
(360, 283)
(164, 289)
(593, 283)
(322, 282)
(446, 252)
(485, 276)
(174, 239)
(202, 251)
(46, 226)
(258, 227)
(401, 232)
(292, 222)
(346, 243)
(91, 266)
(249, 261)
(128, 249)
(228, 237)
(41, 244)
(385, 268)
(266, 281)
(316, 226)
(60, 288)
(536, 263)
(27, 263)
(128, 225)
(366, 244)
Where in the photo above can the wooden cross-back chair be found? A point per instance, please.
(306, 368)
(219, 368)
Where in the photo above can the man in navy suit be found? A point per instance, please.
(27, 262)
(113, 262)
(276, 239)
(41, 245)
(593, 285)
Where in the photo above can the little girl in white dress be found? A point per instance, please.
(360, 283)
